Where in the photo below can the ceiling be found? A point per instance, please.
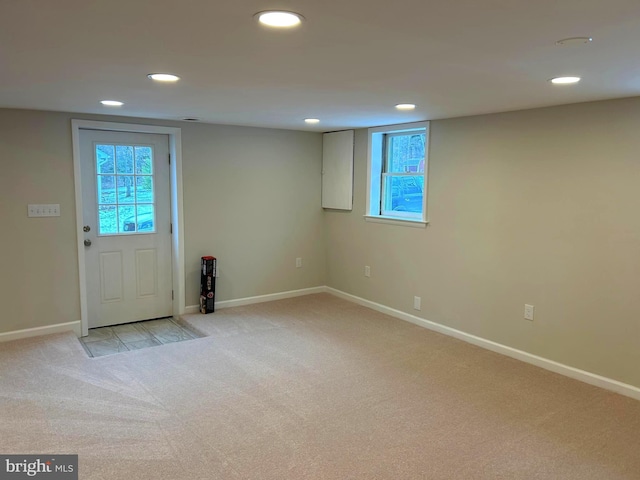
(348, 64)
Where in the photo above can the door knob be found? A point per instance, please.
(87, 243)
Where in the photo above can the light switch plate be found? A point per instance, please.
(44, 210)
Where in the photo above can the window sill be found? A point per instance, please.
(404, 222)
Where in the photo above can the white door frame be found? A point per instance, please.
(177, 221)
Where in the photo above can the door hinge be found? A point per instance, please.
(171, 294)
(169, 155)
(171, 228)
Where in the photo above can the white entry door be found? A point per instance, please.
(126, 218)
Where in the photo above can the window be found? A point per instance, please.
(397, 186)
(124, 180)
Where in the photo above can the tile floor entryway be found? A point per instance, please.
(134, 336)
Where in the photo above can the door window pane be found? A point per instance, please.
(144, 189)
(108, 220)
(144, 162)
(146, 218)
(126, 218)
(106, 189)
(124, 159)
(125, 189)
(104, 159)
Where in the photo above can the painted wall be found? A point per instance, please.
(251, 198)
(537, 207)
(38, 256)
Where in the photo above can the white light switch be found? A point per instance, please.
(46, 210)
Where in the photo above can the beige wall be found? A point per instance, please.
(251, 198)
(38, 260)
(539, 207)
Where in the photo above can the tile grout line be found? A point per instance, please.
(151, 333)
(185, 334)
(121, 341)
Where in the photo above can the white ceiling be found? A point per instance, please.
(348, 64)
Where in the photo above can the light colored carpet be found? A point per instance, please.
(310, 388)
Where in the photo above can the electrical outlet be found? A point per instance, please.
(417, 301)
(528, 312)
(299, 262)
(367, 271)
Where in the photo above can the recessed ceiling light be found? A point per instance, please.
(163, 77)
(564, 80)
(312, 120)
(405, 106)
(279, 18)
(111, 103)
(565, 42)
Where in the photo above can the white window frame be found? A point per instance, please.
(375, 171)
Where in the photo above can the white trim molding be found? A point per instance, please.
(37, 331)
(556, 367)
(571, 372)
(396, 221)
(239, 302)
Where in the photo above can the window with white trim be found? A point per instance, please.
(397, 182)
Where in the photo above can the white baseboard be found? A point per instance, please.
(259, 299)
(48, 330)
(575, 373)
(571, 372)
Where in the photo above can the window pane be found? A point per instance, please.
(126, 191)
(146, 220)
(104, 159)
(144, 189)
(127, 218)
(403, 193)
(107, 219)
(125, 185)
(405, 153)
(106, 189)
(144, 162)
(124, 159)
